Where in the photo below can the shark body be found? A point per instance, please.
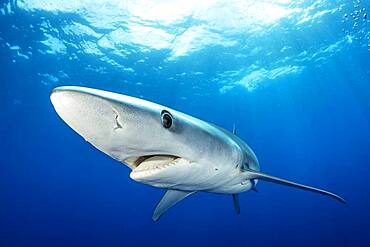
(164, 148)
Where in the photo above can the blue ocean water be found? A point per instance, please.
(292, 75)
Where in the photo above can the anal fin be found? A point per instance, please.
(170, 198)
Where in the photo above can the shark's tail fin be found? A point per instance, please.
(268, 178)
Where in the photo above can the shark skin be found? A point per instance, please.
(163, 147)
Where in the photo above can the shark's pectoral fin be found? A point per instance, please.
(170, 198)
(268, 178)
(236, 203)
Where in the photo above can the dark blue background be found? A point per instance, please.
(57, 190)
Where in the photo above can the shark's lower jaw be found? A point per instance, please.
(156, 169)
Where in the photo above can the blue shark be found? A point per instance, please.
(163, 147)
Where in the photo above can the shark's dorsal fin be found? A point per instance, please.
(268, 178)
(170, 198)
(236, 203)
(234, 129)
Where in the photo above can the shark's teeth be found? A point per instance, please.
(155, 163)
(153, 166)
(169, 172)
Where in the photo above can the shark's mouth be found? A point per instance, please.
(155, 167)
(150, 162)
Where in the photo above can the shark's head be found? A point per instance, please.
(146, 136)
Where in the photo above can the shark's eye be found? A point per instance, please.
(166, 119)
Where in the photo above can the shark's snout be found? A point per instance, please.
(92, 117)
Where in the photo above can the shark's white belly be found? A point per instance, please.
(178, 173)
